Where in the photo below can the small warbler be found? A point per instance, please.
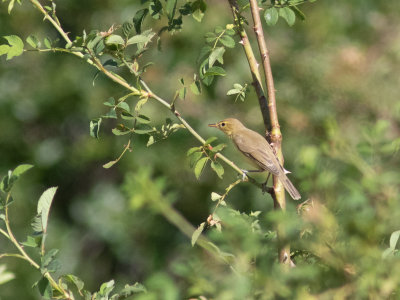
(255, 147)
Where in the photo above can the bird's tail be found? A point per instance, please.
(293, 192)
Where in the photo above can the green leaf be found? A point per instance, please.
(216, 54)
(95, 127)
(111, 114)
(218, 147)
(33, 41)
(215, 196)
(143, 129)
(5, 276)
(114, 40)
(288, 15)
(199, 167)
(143, 38)
(196, 234)
(47, 42)
(44, 204)
(124, 106)
(271, 16)
(139, 18)
(194, 158)
(170, 8)
(210, 37)
(195, 87)
(215, 71)
(106, 288)
(37, 225)
(121, 130)
(198, 15)
(233, 92)
(4, 49)
(193, 150)
(140, 104)
(74, 280)
(129, 290)
(298, 13)
(394, 239)
(210, 140)
(47, 260)
(143, 119)
(45, 288)
(110, 102)
(31, 241)
(16, 47)
(227, 41)
(21, 169)
(218, 168)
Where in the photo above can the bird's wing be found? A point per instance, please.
(255, 147)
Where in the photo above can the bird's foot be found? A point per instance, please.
(266, 189)
(244, 174)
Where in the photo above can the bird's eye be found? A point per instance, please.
(222, 124)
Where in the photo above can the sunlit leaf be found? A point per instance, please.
(196, 234)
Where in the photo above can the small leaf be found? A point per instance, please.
(47, 42)
(123, 106)
(170, 8)
(140, 103)
(215, 71)
(198, 168)
(75, 280)
(110, 164)
(193, 150)
(106, 288)
(216, 54)
(194, 158)
(5, 276)
(44, 204)
(21, 169)
(198, 15)
(288, 15)
(215, 196)
(47, 260)
(31, 241)
(143, 119)
(95, 127)
(218, 147)
(210, 140)
(218, 168)
(233, 92)
(16, 47)
(271, 16)
(227, 41)
(129, 290)
(394, 239)
(196, 234)
(195, 87)
(139, 18)
(33, 41)
(45, 288)
(115, 40)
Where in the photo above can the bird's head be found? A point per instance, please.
(228, 126)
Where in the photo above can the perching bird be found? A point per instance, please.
(258, 150)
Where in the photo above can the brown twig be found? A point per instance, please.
(276, 136)
(244, 40)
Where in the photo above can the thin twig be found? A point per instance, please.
(244, 40)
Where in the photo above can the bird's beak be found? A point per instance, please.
(213, 125)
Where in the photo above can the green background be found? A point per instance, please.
(337, 78)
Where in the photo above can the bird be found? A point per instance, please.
(257, 149)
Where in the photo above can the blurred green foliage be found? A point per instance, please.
(336, 76)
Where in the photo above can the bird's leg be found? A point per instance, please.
(264, 185)
(249, 171)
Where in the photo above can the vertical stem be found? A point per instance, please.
(276, 136)
(244, 40)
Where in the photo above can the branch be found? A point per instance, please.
(244, 40)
